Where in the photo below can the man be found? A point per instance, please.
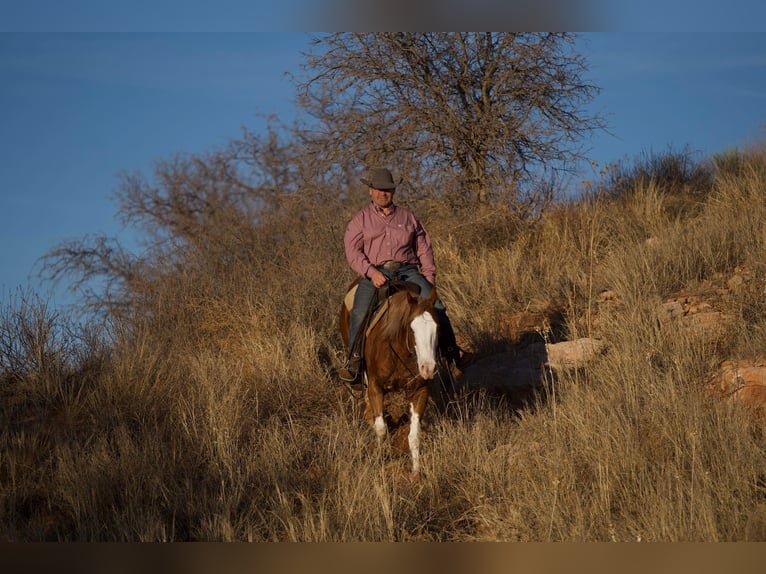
(384, 241)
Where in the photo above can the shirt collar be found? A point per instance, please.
(380, 210)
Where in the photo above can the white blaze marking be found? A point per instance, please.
(424, 327)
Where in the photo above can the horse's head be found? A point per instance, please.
(410, 315)
(424, 327)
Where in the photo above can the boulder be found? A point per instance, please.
(742, 382)
(710, 326)
(572, 354)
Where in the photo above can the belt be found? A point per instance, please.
(393, 266)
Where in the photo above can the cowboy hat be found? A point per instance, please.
(380, 178)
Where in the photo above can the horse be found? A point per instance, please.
(400, 355)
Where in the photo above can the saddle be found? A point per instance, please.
(381, 300)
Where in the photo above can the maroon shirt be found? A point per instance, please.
(372, 238)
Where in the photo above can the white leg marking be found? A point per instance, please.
(380, 427)
(414, 439)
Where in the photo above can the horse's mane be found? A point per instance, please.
(402, 307)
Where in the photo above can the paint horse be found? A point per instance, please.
(400, 353)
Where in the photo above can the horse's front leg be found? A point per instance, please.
(418, 403)
(374, 410)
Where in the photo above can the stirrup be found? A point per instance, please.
(346, 373)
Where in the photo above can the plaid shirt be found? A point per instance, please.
(372, 238)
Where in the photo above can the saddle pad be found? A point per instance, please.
(349, 302)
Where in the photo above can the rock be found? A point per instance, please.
(514, 326)
(698, 307)
(697, 317)
(735, 282)
(672, 309)
(742, 382)
(710, 326)
(607, 296)
(572, 354)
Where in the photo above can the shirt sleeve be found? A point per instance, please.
(353, 242)
(424, 252)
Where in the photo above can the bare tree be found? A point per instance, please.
(202, 220)
(487, 110)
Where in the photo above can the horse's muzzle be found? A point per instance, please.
(427, 370)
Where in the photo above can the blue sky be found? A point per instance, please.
(78, 109)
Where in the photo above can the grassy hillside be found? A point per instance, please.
(206, 406)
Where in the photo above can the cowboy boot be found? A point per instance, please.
(350, 371)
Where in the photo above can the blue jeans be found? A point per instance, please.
(365, 295)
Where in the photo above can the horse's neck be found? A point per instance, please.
(390, 333)
(396, 285)
(380, 310)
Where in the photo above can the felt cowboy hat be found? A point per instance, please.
(380, 178)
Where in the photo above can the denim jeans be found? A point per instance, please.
(365, 295)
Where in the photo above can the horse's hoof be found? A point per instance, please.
(417, 477)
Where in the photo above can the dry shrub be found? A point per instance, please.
(682, 179)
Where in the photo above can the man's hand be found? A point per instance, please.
(378, 279)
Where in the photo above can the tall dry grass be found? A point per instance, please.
(212, 412)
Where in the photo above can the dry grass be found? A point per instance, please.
(212, 412)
